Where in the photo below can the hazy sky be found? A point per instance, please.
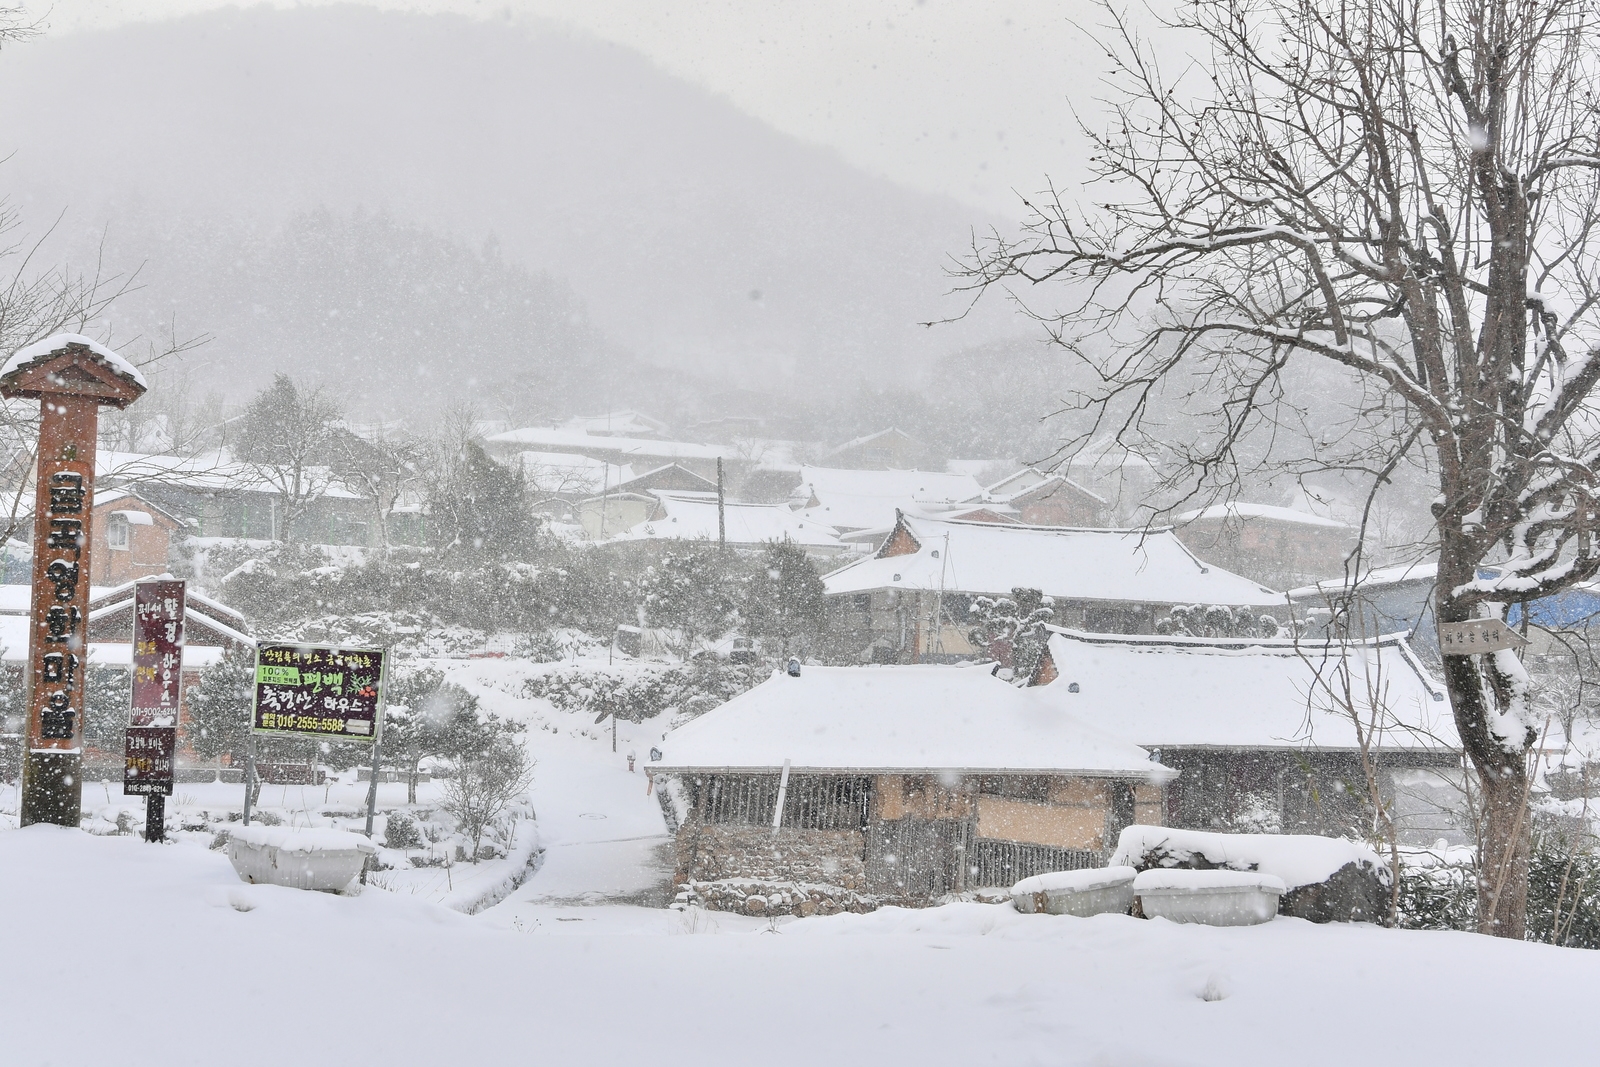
(963, 97)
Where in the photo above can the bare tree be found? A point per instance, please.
(378, 464)
(481, 786)
(288, 437)
(1405, 191)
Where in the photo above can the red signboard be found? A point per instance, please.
(157, 652)
(147, 768)
(157, 688)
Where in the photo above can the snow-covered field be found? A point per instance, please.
(122, 952)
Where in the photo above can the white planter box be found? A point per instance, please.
(326, 860)
(1095, 892)
(1214, 898)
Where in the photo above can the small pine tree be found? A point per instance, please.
(1014, 629)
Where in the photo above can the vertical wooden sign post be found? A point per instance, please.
(72, 377)
(152, 739)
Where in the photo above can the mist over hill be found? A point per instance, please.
(237, 154)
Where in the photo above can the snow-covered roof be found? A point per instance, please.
(1065, 562)
(546, 439)
(1185, 691)
(1419, 570)
(14, 648)
(205, 471)
(568, 472)
(1027, 480)
(41, 350)
(856, 442)
(894, 719)
(855, 499)
(17, 599)
(616, 423)
(101, 596)
(693, 516)
(1239, 509)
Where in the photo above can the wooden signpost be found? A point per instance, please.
(72, 377)
(1476, 636)
(157, 694)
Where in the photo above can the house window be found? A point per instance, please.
(117, 532)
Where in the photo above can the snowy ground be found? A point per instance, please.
(123, 952)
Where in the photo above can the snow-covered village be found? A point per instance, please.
(658, 531)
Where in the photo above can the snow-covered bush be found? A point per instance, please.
(635, 692)
(1013, 628)
(401, 832)
(1215, 620)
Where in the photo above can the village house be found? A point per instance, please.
(129, 537)
(627, 503)
(214, 496)
(885, 450)
(910, 602)
(856, 500)
(1281, 546)
(639, 453)
(695, 516)
(210, 629)
(628, 423)
(1383, 600)
(898, 783)
(1264, 734)
(1041, 499)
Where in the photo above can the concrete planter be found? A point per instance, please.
(1212, 898)
(325, 860)
(1094, 892)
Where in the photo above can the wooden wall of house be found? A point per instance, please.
(1281, 790)
(895, 626)
(915, 837)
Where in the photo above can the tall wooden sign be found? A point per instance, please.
(72, 377)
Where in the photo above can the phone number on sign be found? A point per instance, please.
(274, 721)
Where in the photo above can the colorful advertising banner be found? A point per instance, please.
(318, 691)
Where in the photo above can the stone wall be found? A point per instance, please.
(817, 857)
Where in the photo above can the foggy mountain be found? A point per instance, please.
(232, 152)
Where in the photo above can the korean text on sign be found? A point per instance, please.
(335, 693)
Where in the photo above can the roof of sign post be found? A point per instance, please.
(319, 691)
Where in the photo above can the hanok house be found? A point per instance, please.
(1041, 499)
(1264, 733)
(1280, 546)
(911, 601)
(615, 508)
(869, 499)
(904, 784)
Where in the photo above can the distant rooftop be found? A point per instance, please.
(1186, 691)
(1065, 562)
(1239, 509)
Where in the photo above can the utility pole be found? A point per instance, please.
(722, 514)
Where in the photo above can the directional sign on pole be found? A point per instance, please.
(1477, 636)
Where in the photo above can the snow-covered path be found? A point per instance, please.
(604, 837)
